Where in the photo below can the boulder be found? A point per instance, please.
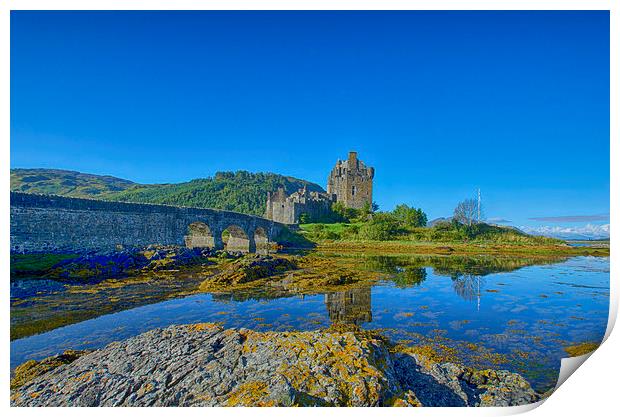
(207, 365)
(249, 268)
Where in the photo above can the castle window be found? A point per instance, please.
(353, 190)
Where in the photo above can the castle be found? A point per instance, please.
(288, 210)
(349, 182)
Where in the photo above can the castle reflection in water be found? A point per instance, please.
(349, 307)
(353, 306)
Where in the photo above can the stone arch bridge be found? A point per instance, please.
(46, 223)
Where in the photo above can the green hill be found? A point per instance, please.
(66, 183)
(240, 191)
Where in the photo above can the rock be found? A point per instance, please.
(98, 265)
(127, 261)
(31, 369)
(247, 269)
(207, 365)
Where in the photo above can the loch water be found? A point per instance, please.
(503, 315)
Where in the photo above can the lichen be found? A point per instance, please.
(250, 394)
(31, 369)
(201, 327)
(581, 348)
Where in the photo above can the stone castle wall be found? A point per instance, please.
(351, 182)
(288, 209)
(284, 212)
(52, 223)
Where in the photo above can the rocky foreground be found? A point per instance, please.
(207, 365)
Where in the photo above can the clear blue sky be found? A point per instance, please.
(440, 103)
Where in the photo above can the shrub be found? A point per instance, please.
(382, 226)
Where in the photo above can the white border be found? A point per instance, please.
(593, 392)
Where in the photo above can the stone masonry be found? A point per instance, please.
(41, 223)
(288, 210)
(351, 182)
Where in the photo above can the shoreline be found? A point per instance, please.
(459, 248)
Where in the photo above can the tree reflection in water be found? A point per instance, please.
(467, 272)
(353, 305)
(409, 276)
(468, 286)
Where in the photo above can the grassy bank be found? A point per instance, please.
(446, 238)
(382, 230)
(458, 248)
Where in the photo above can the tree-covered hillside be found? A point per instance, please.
(239, 191)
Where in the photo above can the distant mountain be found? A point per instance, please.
(66, 183)
(434, 222)
(585, 232)
(240, 191)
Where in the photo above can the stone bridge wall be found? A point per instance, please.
(42, 223)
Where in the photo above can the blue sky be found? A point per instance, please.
(440, 103)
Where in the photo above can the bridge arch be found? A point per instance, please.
(235, 239)
(261, 240)
(199, 236)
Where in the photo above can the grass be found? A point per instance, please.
(482, 233)
(457, 248)
(292, 239)
(487, 240)
(332, 227)
(35, 264)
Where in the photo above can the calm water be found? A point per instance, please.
(519, 319)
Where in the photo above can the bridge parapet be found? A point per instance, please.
(49, 223)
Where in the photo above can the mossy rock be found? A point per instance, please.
(248, 269)
(31, 369)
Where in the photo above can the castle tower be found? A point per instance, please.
(351, 182)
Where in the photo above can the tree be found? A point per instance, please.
(346, 213)
(365, 211)
(466, 212)
(409, 216)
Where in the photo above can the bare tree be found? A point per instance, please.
(466, 211)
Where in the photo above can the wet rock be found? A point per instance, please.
(127, 261)
(206, 365)
(249, 268)
(98, 265)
